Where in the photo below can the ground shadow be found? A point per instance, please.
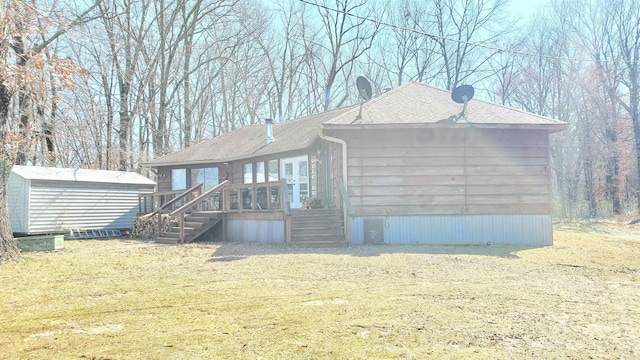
(232, 251)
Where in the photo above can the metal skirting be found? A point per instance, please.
(522, 230)
(256, 231)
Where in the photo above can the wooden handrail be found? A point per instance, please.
(171, 202)
(199, 199)
(226, 188)
(143, 199)
(346, 200)
(286, 205)
(347, 209)
(176, 199)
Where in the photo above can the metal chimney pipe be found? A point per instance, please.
(269, 123)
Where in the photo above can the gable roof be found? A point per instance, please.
(417, 103)
(412, 104)
(80, 175)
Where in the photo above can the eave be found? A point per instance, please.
(550, 128)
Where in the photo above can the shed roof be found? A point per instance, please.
(80, 175)
(412, 104)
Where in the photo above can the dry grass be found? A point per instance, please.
(125, 300)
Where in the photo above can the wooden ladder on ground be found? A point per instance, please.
(317, 228)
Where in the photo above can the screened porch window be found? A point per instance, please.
(261, 172)
(272, 165)
(248, 173)
(178, 179)
(208, 176)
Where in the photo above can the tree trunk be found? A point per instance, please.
(125, 121)
(588, 186)
(8, 247)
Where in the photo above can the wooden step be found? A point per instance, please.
(171, 235)
(317, 225)
(320, 244)
(199, 219)
(312, 233)
(187, 230)
(317, 228)
(315, 213)
(317, 236)
(166, 240)
(194, 224)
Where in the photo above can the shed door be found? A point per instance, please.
(296, 172)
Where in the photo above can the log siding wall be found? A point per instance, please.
(448, 171)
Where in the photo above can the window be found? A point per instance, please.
(208, 176)
(273, 170)
(248, 173)
(178, 179)
(261, 173)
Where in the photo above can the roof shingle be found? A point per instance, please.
(411, 103)
(251, 141)
(416, 103)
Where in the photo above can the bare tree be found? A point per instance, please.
(20, 39)
(348, 38)
(617, 54)
(466, 30)
(125, 25)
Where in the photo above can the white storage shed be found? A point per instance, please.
(52, 200)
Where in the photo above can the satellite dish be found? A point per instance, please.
(364, 88)
(462, 94)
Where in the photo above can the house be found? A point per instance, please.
(401, 168)
(47, 200)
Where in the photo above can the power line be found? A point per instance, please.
(445, 38)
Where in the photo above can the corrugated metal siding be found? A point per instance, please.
(18, 201)
(62, 206)
(529, 230)
(256, 231)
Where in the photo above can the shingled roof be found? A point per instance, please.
(251, 141)
(410, 104)
(416, 103)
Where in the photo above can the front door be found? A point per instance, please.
(296, 172)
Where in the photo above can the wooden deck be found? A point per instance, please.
(199, 212)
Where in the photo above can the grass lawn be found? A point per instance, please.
(126, 299)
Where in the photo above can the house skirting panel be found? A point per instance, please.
(522, 230)
(256, 231)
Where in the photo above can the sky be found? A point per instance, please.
(526, 8)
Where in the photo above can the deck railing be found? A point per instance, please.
(225, 197)
(150, 202)
(347, 208)
(261, 196)
(199, 203)
(230, 197)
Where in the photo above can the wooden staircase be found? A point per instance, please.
(195, 224)
(317, 228)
